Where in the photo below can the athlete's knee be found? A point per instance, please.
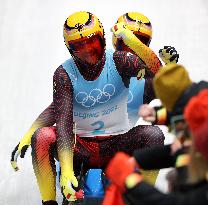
(43, 136)
(158, 137)
(152, 135)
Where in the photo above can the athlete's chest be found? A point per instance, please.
(105, 89)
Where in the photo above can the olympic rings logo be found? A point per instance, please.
(96, 96)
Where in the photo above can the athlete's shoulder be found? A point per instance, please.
(60, 71)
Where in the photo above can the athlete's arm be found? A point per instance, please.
(129, 65)
(63, 101)
(141, 50)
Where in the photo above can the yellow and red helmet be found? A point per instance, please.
(81, 25)
(139, 24)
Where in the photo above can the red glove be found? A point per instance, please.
(79, 194)
(119, 168)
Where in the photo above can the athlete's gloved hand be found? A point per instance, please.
(121, 166)
(67, 182)
(20, 149)
(120, 30)
(168, 55)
